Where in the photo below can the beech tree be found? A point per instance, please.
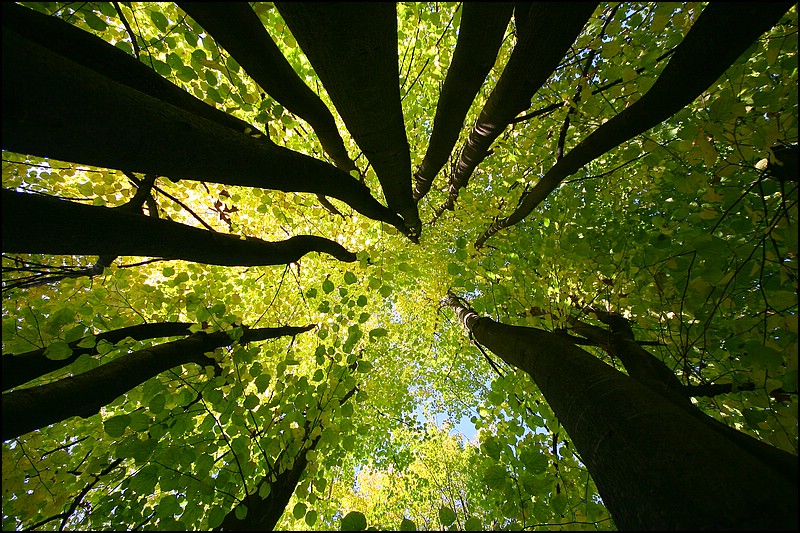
(546, 255)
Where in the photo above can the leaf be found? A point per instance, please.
(495, 477)
(377, 333)
(535, 462)
(407, 525)
(299, 510)
(327, 286)
(58, 351)
(115, 426)
(446, 516)
(94, 22)
(350, 278)
(473, 524)
(159, 20)
(559, 503)
(240, 511)
(311, 518)
(215, 517)
(354, 521)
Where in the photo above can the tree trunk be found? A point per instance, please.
(94, 53)
(236, 27)
(353, 49)
(91, 119)
(264, 513)
(651, 372)
(483, 25)
(37, 224)
(655, 465)
(85, 394)
(722, 33)
(19, 369)
(548, 32)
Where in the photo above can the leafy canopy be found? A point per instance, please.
(681, 229)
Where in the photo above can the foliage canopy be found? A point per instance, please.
(687, 228)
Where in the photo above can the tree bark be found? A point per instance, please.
(548, 32)
(353, 49)
(54, 107)
(263, 513)
(644, 367)
(236, 27)
(722, 33)
(483, 25)
(655, 465)
(94, 53)
(785, 166)
(21, 368)
(83, 395)
(37, 224)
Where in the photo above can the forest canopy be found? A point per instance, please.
(412, 266)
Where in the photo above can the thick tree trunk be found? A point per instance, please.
(83, 395)
(483, 25)
(655, 465)
(548, 32)
(263, 513)
(37, 224)
(96, 54)
(785, 166)
(236, 27)
(722, 33)
(19, 369)
(353, 49)
(644, 367)
(54, 107)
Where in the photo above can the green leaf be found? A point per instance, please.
(407, 525)
(94, 22)
(377, 333)
(215, 517)
(159, 20)
(495, 477)
(156, 404)
(327, 286)
(535, 462)
(473, 524)
(446, 516)
(354, 521)
(58, 351)
(299, 510)
(349, 278)
(559, 503)
(240, 511)
(115, 426)
(311, 518)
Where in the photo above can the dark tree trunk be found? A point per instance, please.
(655, 465)
(651, 372)
(483, 25)
(722, 33)
(38, 224)
(54, 107)
(83, 395)
(96, 54)
(19, 369)
(236, 27)
(353, 49)
(548, 32)
(264, 513)
(785, 166)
